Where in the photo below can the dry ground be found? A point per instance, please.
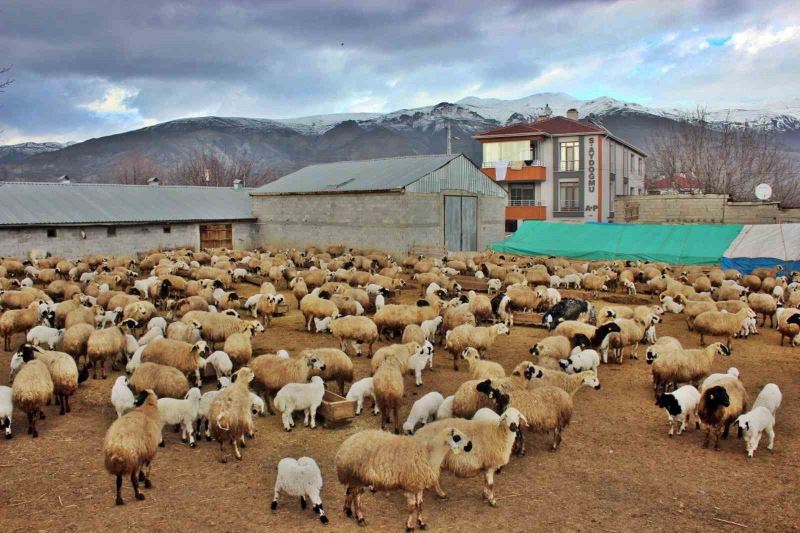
(616, 471)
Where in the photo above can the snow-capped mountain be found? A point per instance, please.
(285, 145)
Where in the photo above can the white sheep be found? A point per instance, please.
(121, 396)
(39, 335)
(360, 389)
(257, 404)
(108, 318)
(479, 275)
(494, 285)
(769, 397)
(301, 478)
(581, 360)
(446, 409)
(158, 322)
(131, 345)
(221, 361)
(423, 410)
(571, 281)
(183, 412)
(136, 360)
(321, 325)
(300, 396)
(555, 281)
(251, 303)
(753, 424)
(680, 404)
(429, 329)
(6, 409)
(417, 362)
(239, 274)
(671, 306)
(150, 336)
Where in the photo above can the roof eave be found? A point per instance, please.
(310, 193)
(121, 223)
(500, 135)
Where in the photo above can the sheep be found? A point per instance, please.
(480, 306)
(184, 412)
(157, 322)
(164, 380)
(18, 321)
(32, 389)
(16, 299)
(190, 303)
(102, 345)
(446, 409)
(313, 306)
(45, 335)
(789, 326)
(63, 372)
(121, 396)
(354, 331)
(493, 441)
(480, 338)
(299, 290)
(479, 369)
(718, 323)
(338, 366)
(631, 333)
(681, 405)
(141, 312)
(321, 325)
(186, 332)
(581, 360)
(670, 305)
(571, 383)
(131, 443)
(217, 327)
(6, 410)
(671, 366)
(551, 349)
(387, 462)
(150, 336)
(300, 396)
(494, 285)
(402, 352)
(770, 397)
(301, 478)
(467, 399)
(188, 358)
(389, 389)
(76, 339)
(423, 410)
(272, 372)
(80, 315)
(753, 424)
(720, 405)
(231, 413)
(419, 359)
(223, 366)
(567, 309)
(413, 333)
(397, 317)
(764, 305)
(430, 327)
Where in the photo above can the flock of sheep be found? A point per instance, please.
(162, 320)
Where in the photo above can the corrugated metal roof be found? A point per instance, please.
(460, 174)
(358, 176)
(41, 204)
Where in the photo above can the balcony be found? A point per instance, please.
(525, 210)
(569, 208)
(534, 172)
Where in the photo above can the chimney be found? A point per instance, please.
(237, 184)
(153, 182)
(64, 179)
(572, 114)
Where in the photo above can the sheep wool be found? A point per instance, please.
(389, 390)
(720, 404)
(306, 397)
(166, 381)
(230, 413)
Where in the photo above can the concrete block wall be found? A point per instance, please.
(701, 209)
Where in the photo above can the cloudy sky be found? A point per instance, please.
(86, 68)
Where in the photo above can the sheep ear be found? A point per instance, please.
(140, 399)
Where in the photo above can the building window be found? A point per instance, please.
(640, 165)
(511, 226)
(505, 151)
(111, 231)
(534, 150)
(51, 233)
(632, 191)
(568, 196)
(167, 229)
(633, 163)
(522, 194)
(612, 157)
(570, 156)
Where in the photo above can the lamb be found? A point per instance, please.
(338, 366)
(389, 389)
(671, 367)
(301, 478)
(223, 366)
(670, 305)
(313, 306)
(769, 397)
(430, 327)
(184, 412)
(188, 358)
(321, 325)
(45, 335)
(580, 361)
(681, 405)
(164, 380)
(494, 285)
(493, 441)
(272, 372)
(300, 396)
(480, 338)
(157, 322)
(389, 462)
(121, 396)
(231, 413)
(720, 405)
(446, 409)
(352, 331)
(359, 390)
(719, 323)
(753, 424)
(18, 321)
(479, 369)
(103, 344)
(6, 409)
(131, 443)
(423, 410)
(32, 389)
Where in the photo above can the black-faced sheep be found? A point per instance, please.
(720, 405)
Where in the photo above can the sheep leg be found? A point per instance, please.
(188, 428)
(418, 376)
(411, 506)
(119, 490)
(341, 386)
(313, 414)
(148, 467)
(488, 489)
(420, 522)
(135, 483)
(359, 405)
(306, 413)
(348, 502)
(236, 452)
(357, 505)
(61, 401)
(702, 340)
(375, 409)
(223, 458)
(268, 398)
(396, 414)
(556, 438)
(440, 493)
(103, 368)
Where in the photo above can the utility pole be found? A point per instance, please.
(449, 145)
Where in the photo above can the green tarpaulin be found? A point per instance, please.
(679, 245)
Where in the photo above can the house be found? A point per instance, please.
(75, 219)
(425, 203)
(680, 184)
(559, 168)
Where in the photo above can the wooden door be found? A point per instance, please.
(216, 236)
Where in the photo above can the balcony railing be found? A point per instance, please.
(534, 163)
(569, 205)
(524, 203)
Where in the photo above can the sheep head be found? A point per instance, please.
(513, 419)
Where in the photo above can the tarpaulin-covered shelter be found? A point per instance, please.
(764, 245)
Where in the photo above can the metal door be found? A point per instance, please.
(461, 223)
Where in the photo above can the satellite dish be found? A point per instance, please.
(763, 191)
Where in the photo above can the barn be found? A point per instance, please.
(75, 219)
(421, 204)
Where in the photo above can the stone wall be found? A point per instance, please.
(699, 209)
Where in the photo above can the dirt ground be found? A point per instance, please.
(617, 469)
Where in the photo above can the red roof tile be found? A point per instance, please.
(552, 126)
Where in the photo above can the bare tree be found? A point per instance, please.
(726, 158)
(208, 169)
(134, 168)
(6, 82)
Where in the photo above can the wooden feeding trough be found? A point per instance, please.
(281, 309)
(528, 319)
(471, 283)
(336, 410)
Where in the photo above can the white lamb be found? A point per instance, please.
(252, 303)
(205, 405)
(423, 410)
(680, 404)
(671, 306)
(769, 397)
(150, 336)
(571, 281)
(121, 396)
(221, 361)
(6, 409)
(732, 371)
(300, 396)
(39, 335)
(131, 345)
(484, 414)
(555, 281)
(552, 296)
(446, 409)
(282, 354)
(26, 282)
(183, 412)
(108, 318)
(239, 274)
(321, 325)
(301, 478)
(257, 405)
(581, 360)
(158, 322)
(494, 285)
(479, 275)
(135, 360)
(418, 361)
(754, 423)
(360, 389)
(429, 329)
